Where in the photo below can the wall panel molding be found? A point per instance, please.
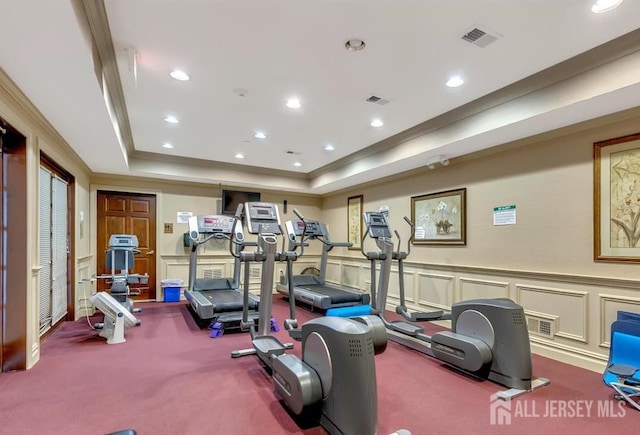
(597, 281)
(442, 290)
(579, 307)
(609, 303)
(561, 303)
(493, 289)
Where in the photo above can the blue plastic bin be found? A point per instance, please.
(172, 294)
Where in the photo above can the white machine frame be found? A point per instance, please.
(116, 317)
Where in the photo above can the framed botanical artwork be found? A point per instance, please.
(616, 191)
(440, 218)
(354, 221)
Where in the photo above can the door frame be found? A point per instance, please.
(53, 166)
(93, 192)
(14, 331)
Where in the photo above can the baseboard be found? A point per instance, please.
(593, 362)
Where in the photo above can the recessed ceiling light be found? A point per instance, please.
(329, 147)
(601, 6)
(297, 164)
(293, 103)
(171, 119)
(167, 145)
(239, 156)
(454, 82)
(355, 44)
(179, 75)
(377, 123)
(260, 135)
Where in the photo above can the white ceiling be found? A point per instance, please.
(279, 49)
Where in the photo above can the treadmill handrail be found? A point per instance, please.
(236, 218)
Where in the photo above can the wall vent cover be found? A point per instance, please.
(541, 326)
(479, 37)
(212, 273)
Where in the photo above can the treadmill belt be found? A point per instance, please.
(338, 296)
(228, 300)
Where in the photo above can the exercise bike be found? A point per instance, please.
(335, 381)
(488, 337)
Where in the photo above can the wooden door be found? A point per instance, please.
(129, 213)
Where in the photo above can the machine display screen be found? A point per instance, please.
(214, 224)
(377, 220)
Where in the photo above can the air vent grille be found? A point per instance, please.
(377, 100)
(256, 272)
(212, 273)
(479, 37)
(540, 326)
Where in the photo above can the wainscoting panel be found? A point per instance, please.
(568, 316)
(85, 288)
(334, 272)
(394, 287)
(473, 288)
(435, 290)
(177, 269)
(351, 276)
(609, 307)
(565, 309)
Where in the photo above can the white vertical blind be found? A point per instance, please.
(59, 252)
(45, 250)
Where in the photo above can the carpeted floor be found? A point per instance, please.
(171, 378)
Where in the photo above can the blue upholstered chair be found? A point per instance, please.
(623, 368)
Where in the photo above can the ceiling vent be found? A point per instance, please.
(377, 100)
(479, 37)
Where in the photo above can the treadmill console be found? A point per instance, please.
(123, 241)
(377, 223)
(313, 228)
(262, 217)
(210, 224)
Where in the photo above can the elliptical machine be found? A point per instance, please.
(488, 337)
(401, 309)
(335, 381)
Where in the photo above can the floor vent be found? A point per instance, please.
(479, 37)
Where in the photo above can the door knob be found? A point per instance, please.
(151, 252)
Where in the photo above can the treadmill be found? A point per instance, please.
(217, 301)
(313, 290)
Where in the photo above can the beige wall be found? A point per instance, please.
(545, 261)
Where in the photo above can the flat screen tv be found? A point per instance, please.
(231, 199)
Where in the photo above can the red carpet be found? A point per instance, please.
(171, 378)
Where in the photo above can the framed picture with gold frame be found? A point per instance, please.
(354, 221)
(440, 218)
(616, 192)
